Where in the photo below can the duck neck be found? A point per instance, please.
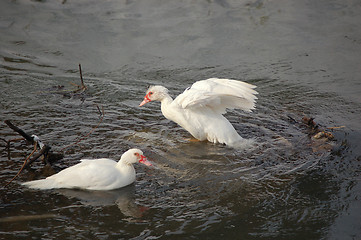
(165, 102)
(122, 163)
(126, 169)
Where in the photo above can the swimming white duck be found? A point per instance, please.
(200, 108)
(96, 174)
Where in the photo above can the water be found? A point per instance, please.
(304, 58)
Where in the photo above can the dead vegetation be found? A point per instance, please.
(321, 138)
(42, 150)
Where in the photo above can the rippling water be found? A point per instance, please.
(304, 58)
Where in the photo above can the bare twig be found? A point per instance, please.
(24, 164)
(7, 142)
(336, 127)
(76, 85)
(26, 218)
(48, 156)
(92, 130)
(82, 87)
(81, 77)
(12, 140)
(79, 88)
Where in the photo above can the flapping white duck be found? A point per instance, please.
(200, 108)
(96, 174)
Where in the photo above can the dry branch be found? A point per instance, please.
(82, 87)
(25, 162)
(48, 156)
(45, 150)
(21, 132)
(60, 89)
(331, 128)
(81, 77)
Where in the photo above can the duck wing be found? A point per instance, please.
(89, 174)
(218, 94)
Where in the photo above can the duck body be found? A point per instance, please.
(203, 124)
(200, 109)
(97, 174)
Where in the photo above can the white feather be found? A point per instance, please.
(97, 174)
(219, 94)
(199, 109)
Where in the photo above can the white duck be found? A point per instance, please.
(200, 108)
(97, 174)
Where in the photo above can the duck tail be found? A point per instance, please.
(41, 184)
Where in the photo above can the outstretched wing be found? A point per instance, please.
(219, 94)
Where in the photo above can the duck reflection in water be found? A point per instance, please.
(123, 198)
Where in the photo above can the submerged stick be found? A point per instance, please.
(44, 151)
(336, 127)
(24, 164)
(26, 217)
(11, 140)
(81, 77)
(80, 88)
(48, 156)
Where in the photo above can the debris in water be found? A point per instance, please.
(321, 139)
(44, 150)
(26, 217)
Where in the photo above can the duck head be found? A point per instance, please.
(154, 93)
(135, 155)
